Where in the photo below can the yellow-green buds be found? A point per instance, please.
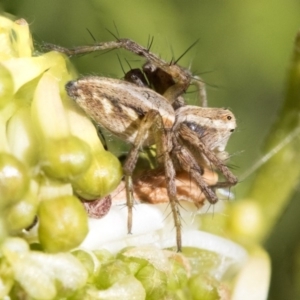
(63, 223)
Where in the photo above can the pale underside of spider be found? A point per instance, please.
(187, 138)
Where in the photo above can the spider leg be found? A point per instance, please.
(187, 134)
(200, 85)
(163, 137)
(170, 174)
(131, 160)
(182, 77)
(190, 165)
(126, 44)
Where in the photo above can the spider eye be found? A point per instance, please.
(192, 126)
(229, 118)
(200, 130)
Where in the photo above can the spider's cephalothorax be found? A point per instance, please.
(188, 138)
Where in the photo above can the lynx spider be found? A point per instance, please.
(187, 137)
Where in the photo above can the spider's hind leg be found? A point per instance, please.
(163, 141)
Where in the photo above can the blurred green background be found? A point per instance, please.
(243, 55)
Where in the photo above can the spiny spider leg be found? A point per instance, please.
(190, 165)
(189, 135)
(170, 174)
(200, 85)
(130, 162)
(182, 77)
(120, 43)
(163, 137)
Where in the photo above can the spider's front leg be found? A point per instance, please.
(193, 139)
(189, 164)
(131, 160)
(168, 79)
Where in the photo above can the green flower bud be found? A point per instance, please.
(134, 263)
(6, 278)
(104, 256)
(22, 214)
(65, 158)
(153, 281)
(102, 177)
(6, 86)
(44, 276)
(86, 259)
(127, 288)
(203, 288)
(177, 276)
(202, 260)
(14, 180)
(22, 140)
(111, 273)
(62, 223)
